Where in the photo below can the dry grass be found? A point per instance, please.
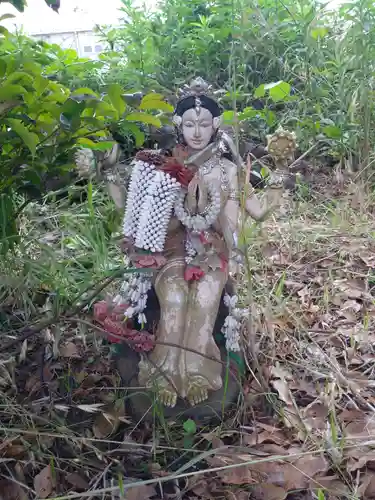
(306, 428)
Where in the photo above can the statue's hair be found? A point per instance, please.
(190, 102)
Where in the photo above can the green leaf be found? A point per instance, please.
(318, 33)
(139, 136)
(84, 92)
(8, 223)
(3, 68)
(188, 441)
(88, 143)
(115, 95)
(143, 118)
(104, 145)
(18, 4)
(152, 97)
(156, 104)
(249, 113)
(103, 109)
(19, 77)
(40, 84)
(260, 91)
(332, 131)
(32, 67)
(30, 139)
(6, 16)
(190, 427)
(278, 91)
(228, 116)
(321, 495)
(11, 91)
(4, 31)
(96, 146)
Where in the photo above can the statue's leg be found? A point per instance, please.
(161, 369)
(203, 374)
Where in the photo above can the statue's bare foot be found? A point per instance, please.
(165, 392)
(167, 396)
(197, 391)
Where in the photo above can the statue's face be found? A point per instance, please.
(197, 128)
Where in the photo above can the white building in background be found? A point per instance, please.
(85, 42)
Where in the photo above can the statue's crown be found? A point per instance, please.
(198, 87)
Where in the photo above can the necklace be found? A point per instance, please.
(199, 222)
(216, 160)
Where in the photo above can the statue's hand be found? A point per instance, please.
(277, 179)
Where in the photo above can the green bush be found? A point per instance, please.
(43, 122)
(326, 58)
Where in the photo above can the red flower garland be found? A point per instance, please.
(118, 330)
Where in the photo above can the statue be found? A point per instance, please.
(181, 229)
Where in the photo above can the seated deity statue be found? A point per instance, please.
(181, 228)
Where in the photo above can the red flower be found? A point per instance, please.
(120, 331)
(100, 311)
(138, 341)
(182, 174)
(193, 273)
(117, 329)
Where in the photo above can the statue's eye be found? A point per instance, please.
(188, 124)
(206, 124)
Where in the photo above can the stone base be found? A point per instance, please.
(142, 404)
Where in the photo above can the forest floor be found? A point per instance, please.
(305, 427)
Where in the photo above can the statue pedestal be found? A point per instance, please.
(143, 404)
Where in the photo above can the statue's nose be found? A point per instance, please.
(196, 131)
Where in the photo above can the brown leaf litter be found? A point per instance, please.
(65, 429)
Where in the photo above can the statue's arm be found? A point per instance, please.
(258, 209)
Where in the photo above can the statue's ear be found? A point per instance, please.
(177, 120)
(217, 122)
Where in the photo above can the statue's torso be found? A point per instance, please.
(217, 173)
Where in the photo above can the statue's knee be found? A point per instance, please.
(176, 296)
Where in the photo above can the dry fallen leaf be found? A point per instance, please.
(268, 492)
(78, 482)
(9, 490)
(107, 423)
(367, 487)
(332, 485)
(288, 474)
(69, 350)
(44, 483)
(140, 493)
(362, 427)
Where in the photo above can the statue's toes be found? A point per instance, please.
(197, 394)
(172, 399)
(168, 398)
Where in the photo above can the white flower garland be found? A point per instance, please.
(85, 162)
(151, 197)
(199, 222)
(152, 194)
(232, 324)
(134, 292)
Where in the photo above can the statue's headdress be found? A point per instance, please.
(197, 95)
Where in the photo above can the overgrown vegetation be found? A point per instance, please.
(304, 428)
